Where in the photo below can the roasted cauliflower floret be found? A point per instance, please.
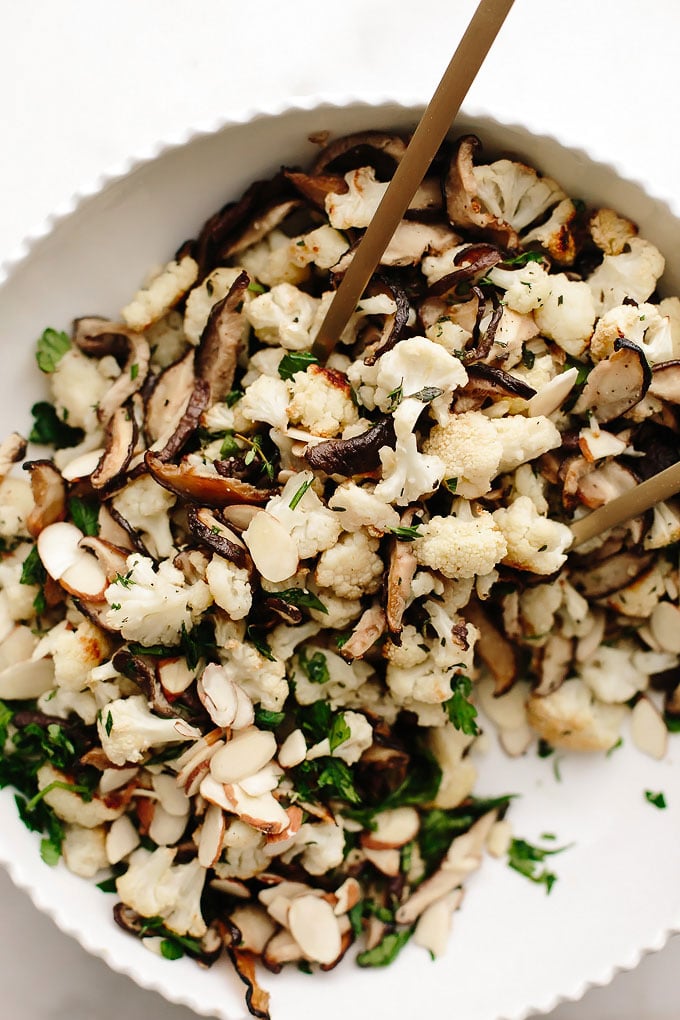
(352, 567)
(534, 543)
(283, 315)
(572, 718)
(632, 274)
(356, 206)
(463, 545)
(322, 401)
(155, 300)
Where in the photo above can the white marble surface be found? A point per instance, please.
(85, 83)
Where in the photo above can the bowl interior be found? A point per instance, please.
(513, 950)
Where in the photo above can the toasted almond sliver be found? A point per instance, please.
(173, 799)
(315, 928)
(166, 829)
(245, 754)
(212, 836)
(517, 740)
(393, 828)
(121, 839)
(347, 896)
(113, 779)
(434, 924)
(664, 624)
(648, 729)
(272, 547)
(387, 861)
(292, 750)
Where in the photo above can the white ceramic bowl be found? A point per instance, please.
(514, 950)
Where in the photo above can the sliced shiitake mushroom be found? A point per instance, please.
(616, 383)
(394, 323)
(121, 438)
(497, 653)
(206, 525)
(368, 630)
(356, 456)
(49, 495)
(494, 382)
(168, 399)
(261, 225)
(402, 569)
(204, 485)
(665, 382)
(315, 187)
(12, 449)
(610, 575)
(378, 149)
(555, 660)
(131, 378)
(221, 340)
(141, 670)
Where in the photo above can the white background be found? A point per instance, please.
(85, 84)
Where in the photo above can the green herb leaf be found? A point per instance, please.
(517, 261)
(229, 447)
(134, 372)
(296, 361)
(301, 597)
(49, 430)
(85, 515)
(528, 359)
(266, 719)
(300, 493)
(316, 668)
(396, 396)
(544, 749)
(171, 950)
(256, 637)
(233, 397)
(197, 642)
(32, 571)
(526, 858)
(256, 288)
(336, 776)
(386, 951)
(339, 732)
(51, 348)
(460, 710)
(451, 484)
(428, 393)
(406, 534)
(108, 726)
(657, 799)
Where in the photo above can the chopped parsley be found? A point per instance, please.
(460, 710)
(316, 668)
(51, 430)
(527, 859)
(300, 493)
(302, 598)
(84, 515)
(387, 950)
(50, 349)
(296, 361)
(657, 799)
(406, 534)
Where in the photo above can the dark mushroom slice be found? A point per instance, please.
(206, 525)
(365, 148)
(285, 610)
(229, 221)
(189, 422)
(49, 495)
(12, 450)
(133, 537)
(316, 188)
(616, 383)
(427, 202)
(665, 384)
(98, 336)
(394, 323)
(222, 340)
(474, 261)
(261, 225)
(610, 575)
(257, 999)
(131, 378)
(169, 398)
(495, 651)
(357, 456)
(203, 485)
(121, 439)
(96, 612)
(495, 382)
(660, 447)
(463, 206)
(142, 671)
(414, 239)
(370, 628)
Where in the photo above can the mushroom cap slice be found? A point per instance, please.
(356, 456)
(121, 437)
(616, 384)
(49, 495)
(203, 486)
(222, 339)
(378, 149)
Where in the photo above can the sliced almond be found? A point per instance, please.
(281, 948)
(174, 675)
(231, 887)
(506, 711)
(499, 838)
(277, 843)
(82, 466)
(167, 829)
(170, 795)
(17, 646)
(283, 887)
(664, 624)
(648, 729)
(315, 928)
(263, 812)
(255, 925)
(196, 767)
(272, 547)
(121, 839)
(387, 861)
(28, 679)
(59, 547)
(85, 578)
(245, 754)
(292, 750)
(212, 836)
(226, 702)
(393, 828)
(214, 793)
(551, 396)
(263, 781)
(114, 779)
(347, 896)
